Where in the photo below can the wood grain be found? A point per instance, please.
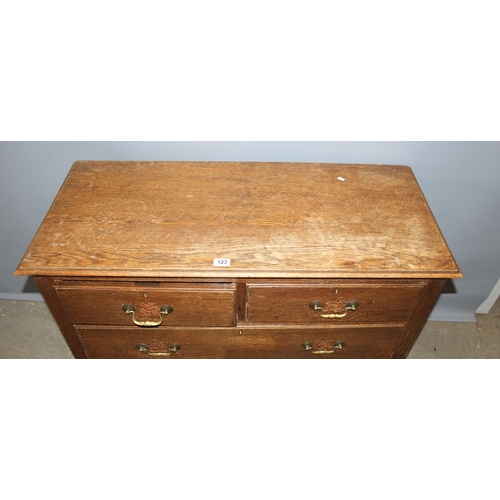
(271, 219)
(193, 304)
(268, 303)
(361, 342)
(147, 233)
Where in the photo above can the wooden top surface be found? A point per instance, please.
(172, 219)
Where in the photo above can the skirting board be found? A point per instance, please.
(30, 297)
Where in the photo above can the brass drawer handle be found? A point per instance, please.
(318, 306)
(164, 310)
(308, 346)
(144, 348)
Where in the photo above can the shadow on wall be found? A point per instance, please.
(449, 287)
(30, 286)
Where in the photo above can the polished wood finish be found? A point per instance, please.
(194, 304)
(379, 301)
(147, 233)
(167, 219)
(254, 343)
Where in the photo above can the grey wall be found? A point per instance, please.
(461, 181)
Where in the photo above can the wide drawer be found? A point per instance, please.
(148, 305)
(331, 303)
(171, 343)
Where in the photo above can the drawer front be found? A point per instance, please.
(171, 343)
(161, 305)
(159, 343)
(300, 304)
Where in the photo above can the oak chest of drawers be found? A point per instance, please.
(172, 260)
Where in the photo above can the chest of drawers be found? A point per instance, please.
(172, 260)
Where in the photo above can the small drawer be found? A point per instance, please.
(148, 305)
(253, 343)
(335, 303)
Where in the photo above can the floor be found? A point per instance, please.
(27, 330)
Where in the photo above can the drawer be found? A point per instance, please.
(171, 343)
(159, 343)
(154, 304)
(332, 303)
